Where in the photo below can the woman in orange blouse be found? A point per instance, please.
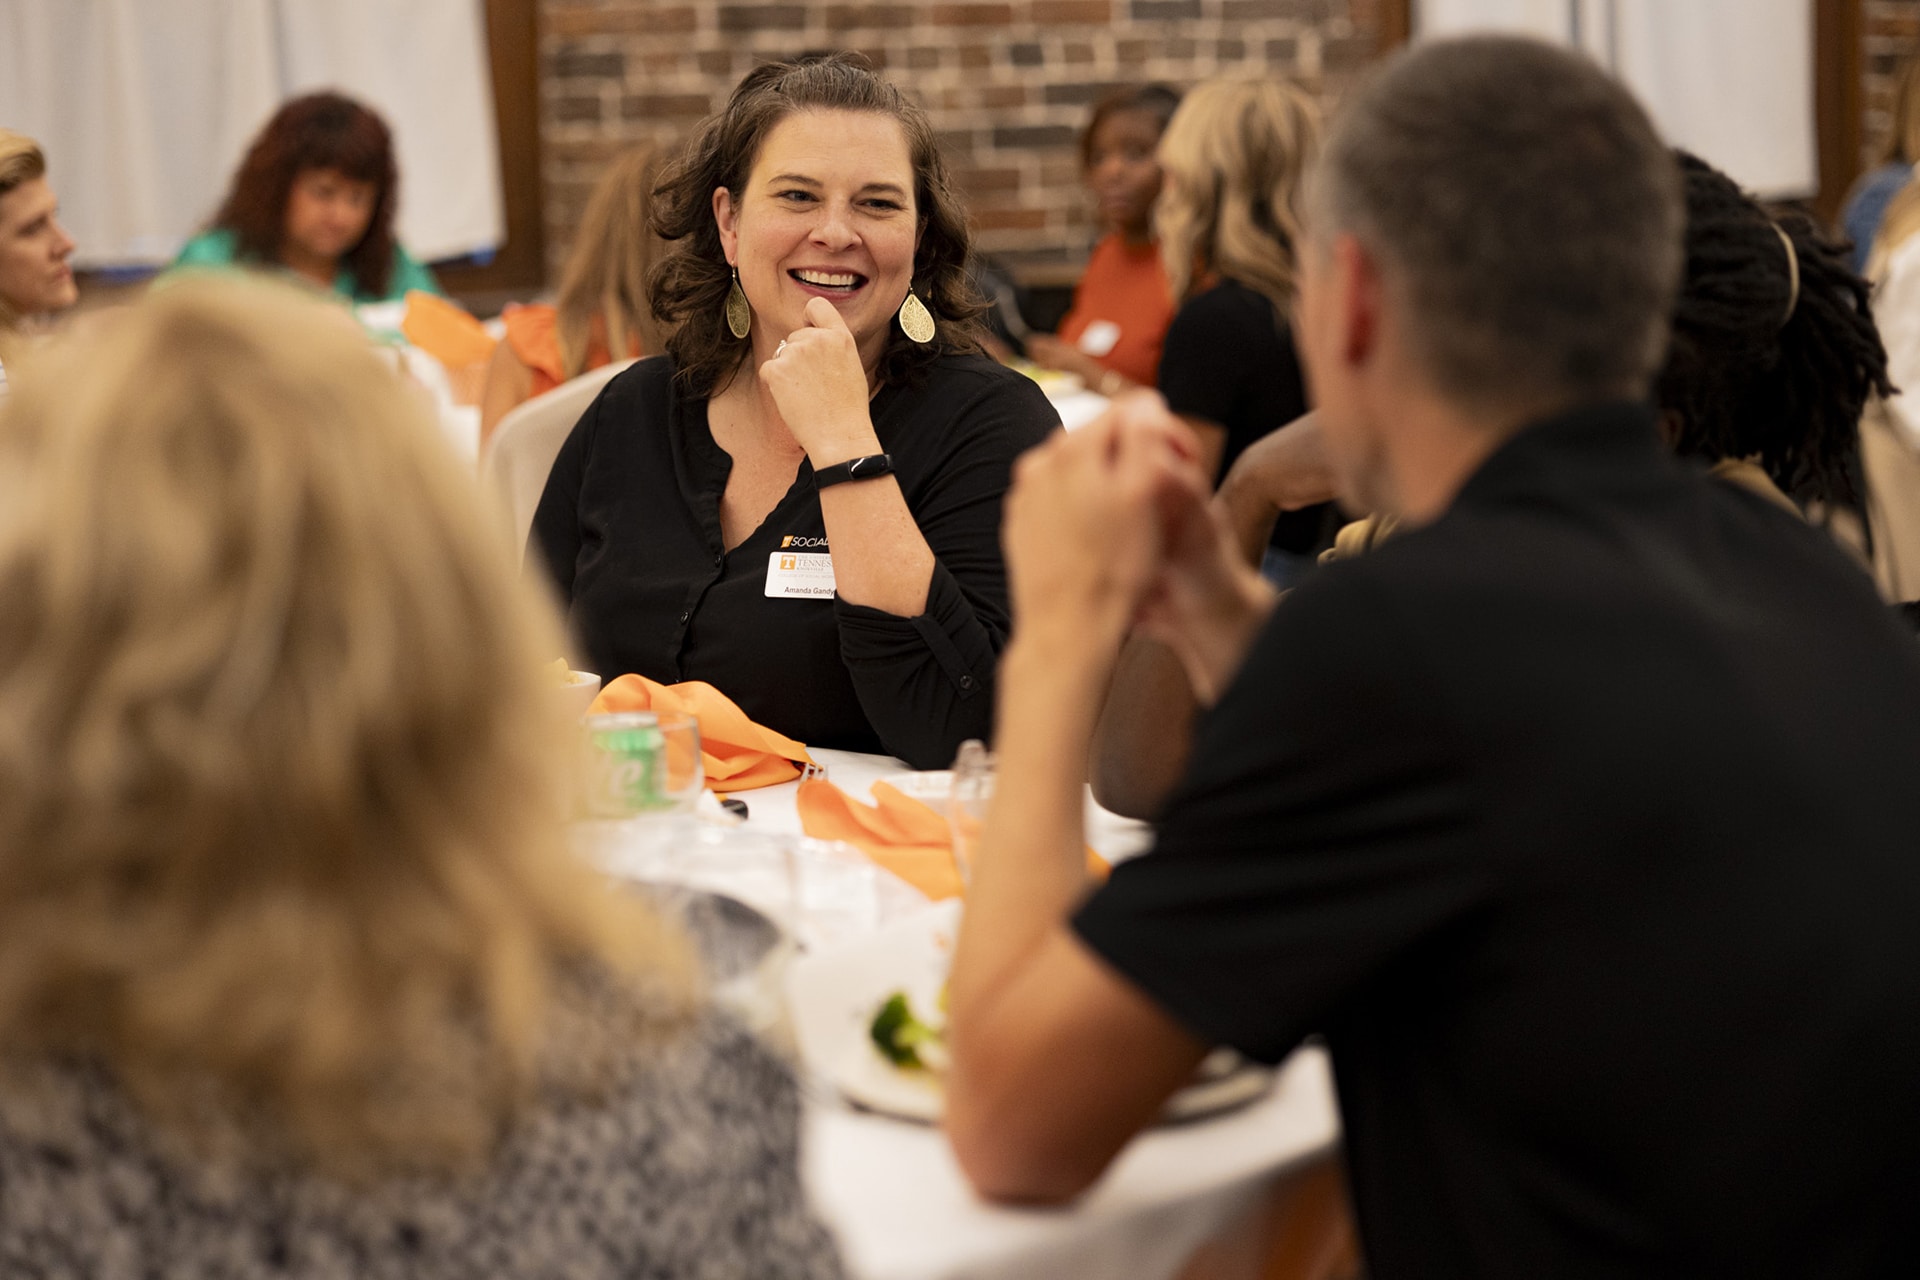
(602, 304)
(1121, 310)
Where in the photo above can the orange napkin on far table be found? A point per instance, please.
(444, 331)
(738, 754)
(903, 835)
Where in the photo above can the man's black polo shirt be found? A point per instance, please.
(1585, 822)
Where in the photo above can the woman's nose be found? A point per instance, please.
(834, 230)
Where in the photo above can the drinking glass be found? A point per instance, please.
(967, 808)
(637, 763)
(683, 775)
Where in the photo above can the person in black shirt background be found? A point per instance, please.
(801, 503)
(1228, 219)
(1579, 816)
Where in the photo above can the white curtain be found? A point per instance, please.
(144, 109)
(1731, 80)
(423, 65)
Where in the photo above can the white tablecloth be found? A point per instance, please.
(893, 1194)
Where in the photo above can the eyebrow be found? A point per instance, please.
(888, 188)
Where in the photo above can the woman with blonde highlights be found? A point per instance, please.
(295, 966)
(601, 307)
(1228, 221)
(35, 278)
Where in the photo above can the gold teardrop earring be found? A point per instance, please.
(739, 314)
(915, 320)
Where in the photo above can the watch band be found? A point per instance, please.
(870, 467)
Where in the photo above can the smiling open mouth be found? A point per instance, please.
(832, 281)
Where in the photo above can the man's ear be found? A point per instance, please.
(723, 217)
(1357, 299)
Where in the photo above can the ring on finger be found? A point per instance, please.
(782, 347)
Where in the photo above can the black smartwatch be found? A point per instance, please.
(870, 467)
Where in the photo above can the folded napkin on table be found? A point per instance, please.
(738, 754)
(900, 833)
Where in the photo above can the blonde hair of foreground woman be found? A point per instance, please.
(280, 782)
(1234, 155)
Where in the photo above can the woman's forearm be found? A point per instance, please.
(880, 558)
(1145, 732)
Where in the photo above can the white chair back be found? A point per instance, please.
(524, 445)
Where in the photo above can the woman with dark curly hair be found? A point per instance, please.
(316, 197)
(800, 503)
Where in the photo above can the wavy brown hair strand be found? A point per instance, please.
(317, 131)
(689, 288)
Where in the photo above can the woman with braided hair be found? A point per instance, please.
(1774, 353)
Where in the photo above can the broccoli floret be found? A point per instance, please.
(902, 1038)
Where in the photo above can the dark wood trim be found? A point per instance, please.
(1837, 26)
(520, 266)
(1396, 23)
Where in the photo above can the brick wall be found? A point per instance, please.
(1890, 34)
(1008, 84)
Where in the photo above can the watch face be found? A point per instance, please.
(873, 465)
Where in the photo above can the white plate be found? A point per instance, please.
(832, 996)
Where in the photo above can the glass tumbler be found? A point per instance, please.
(973, 771)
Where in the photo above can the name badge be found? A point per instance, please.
(1100, 337)
(800, 575)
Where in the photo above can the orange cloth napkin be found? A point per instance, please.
(738, 754)
(900, 833)
(444, 331)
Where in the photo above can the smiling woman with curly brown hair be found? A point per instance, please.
(800, 503)
(295, 964)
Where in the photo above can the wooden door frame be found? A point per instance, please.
(1838, 114)
(519, 266)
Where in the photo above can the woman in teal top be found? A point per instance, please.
(315, 197)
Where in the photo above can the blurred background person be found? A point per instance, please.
(1228, 220)
(1773, 354)
(1111, 335)
(1867, 203)
(1890, 431)
(295, 963)
(315, 198)
(36, 278)
(601, 307)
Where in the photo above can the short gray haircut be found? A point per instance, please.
(1524, 210)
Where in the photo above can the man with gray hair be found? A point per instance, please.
(1578, 818)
